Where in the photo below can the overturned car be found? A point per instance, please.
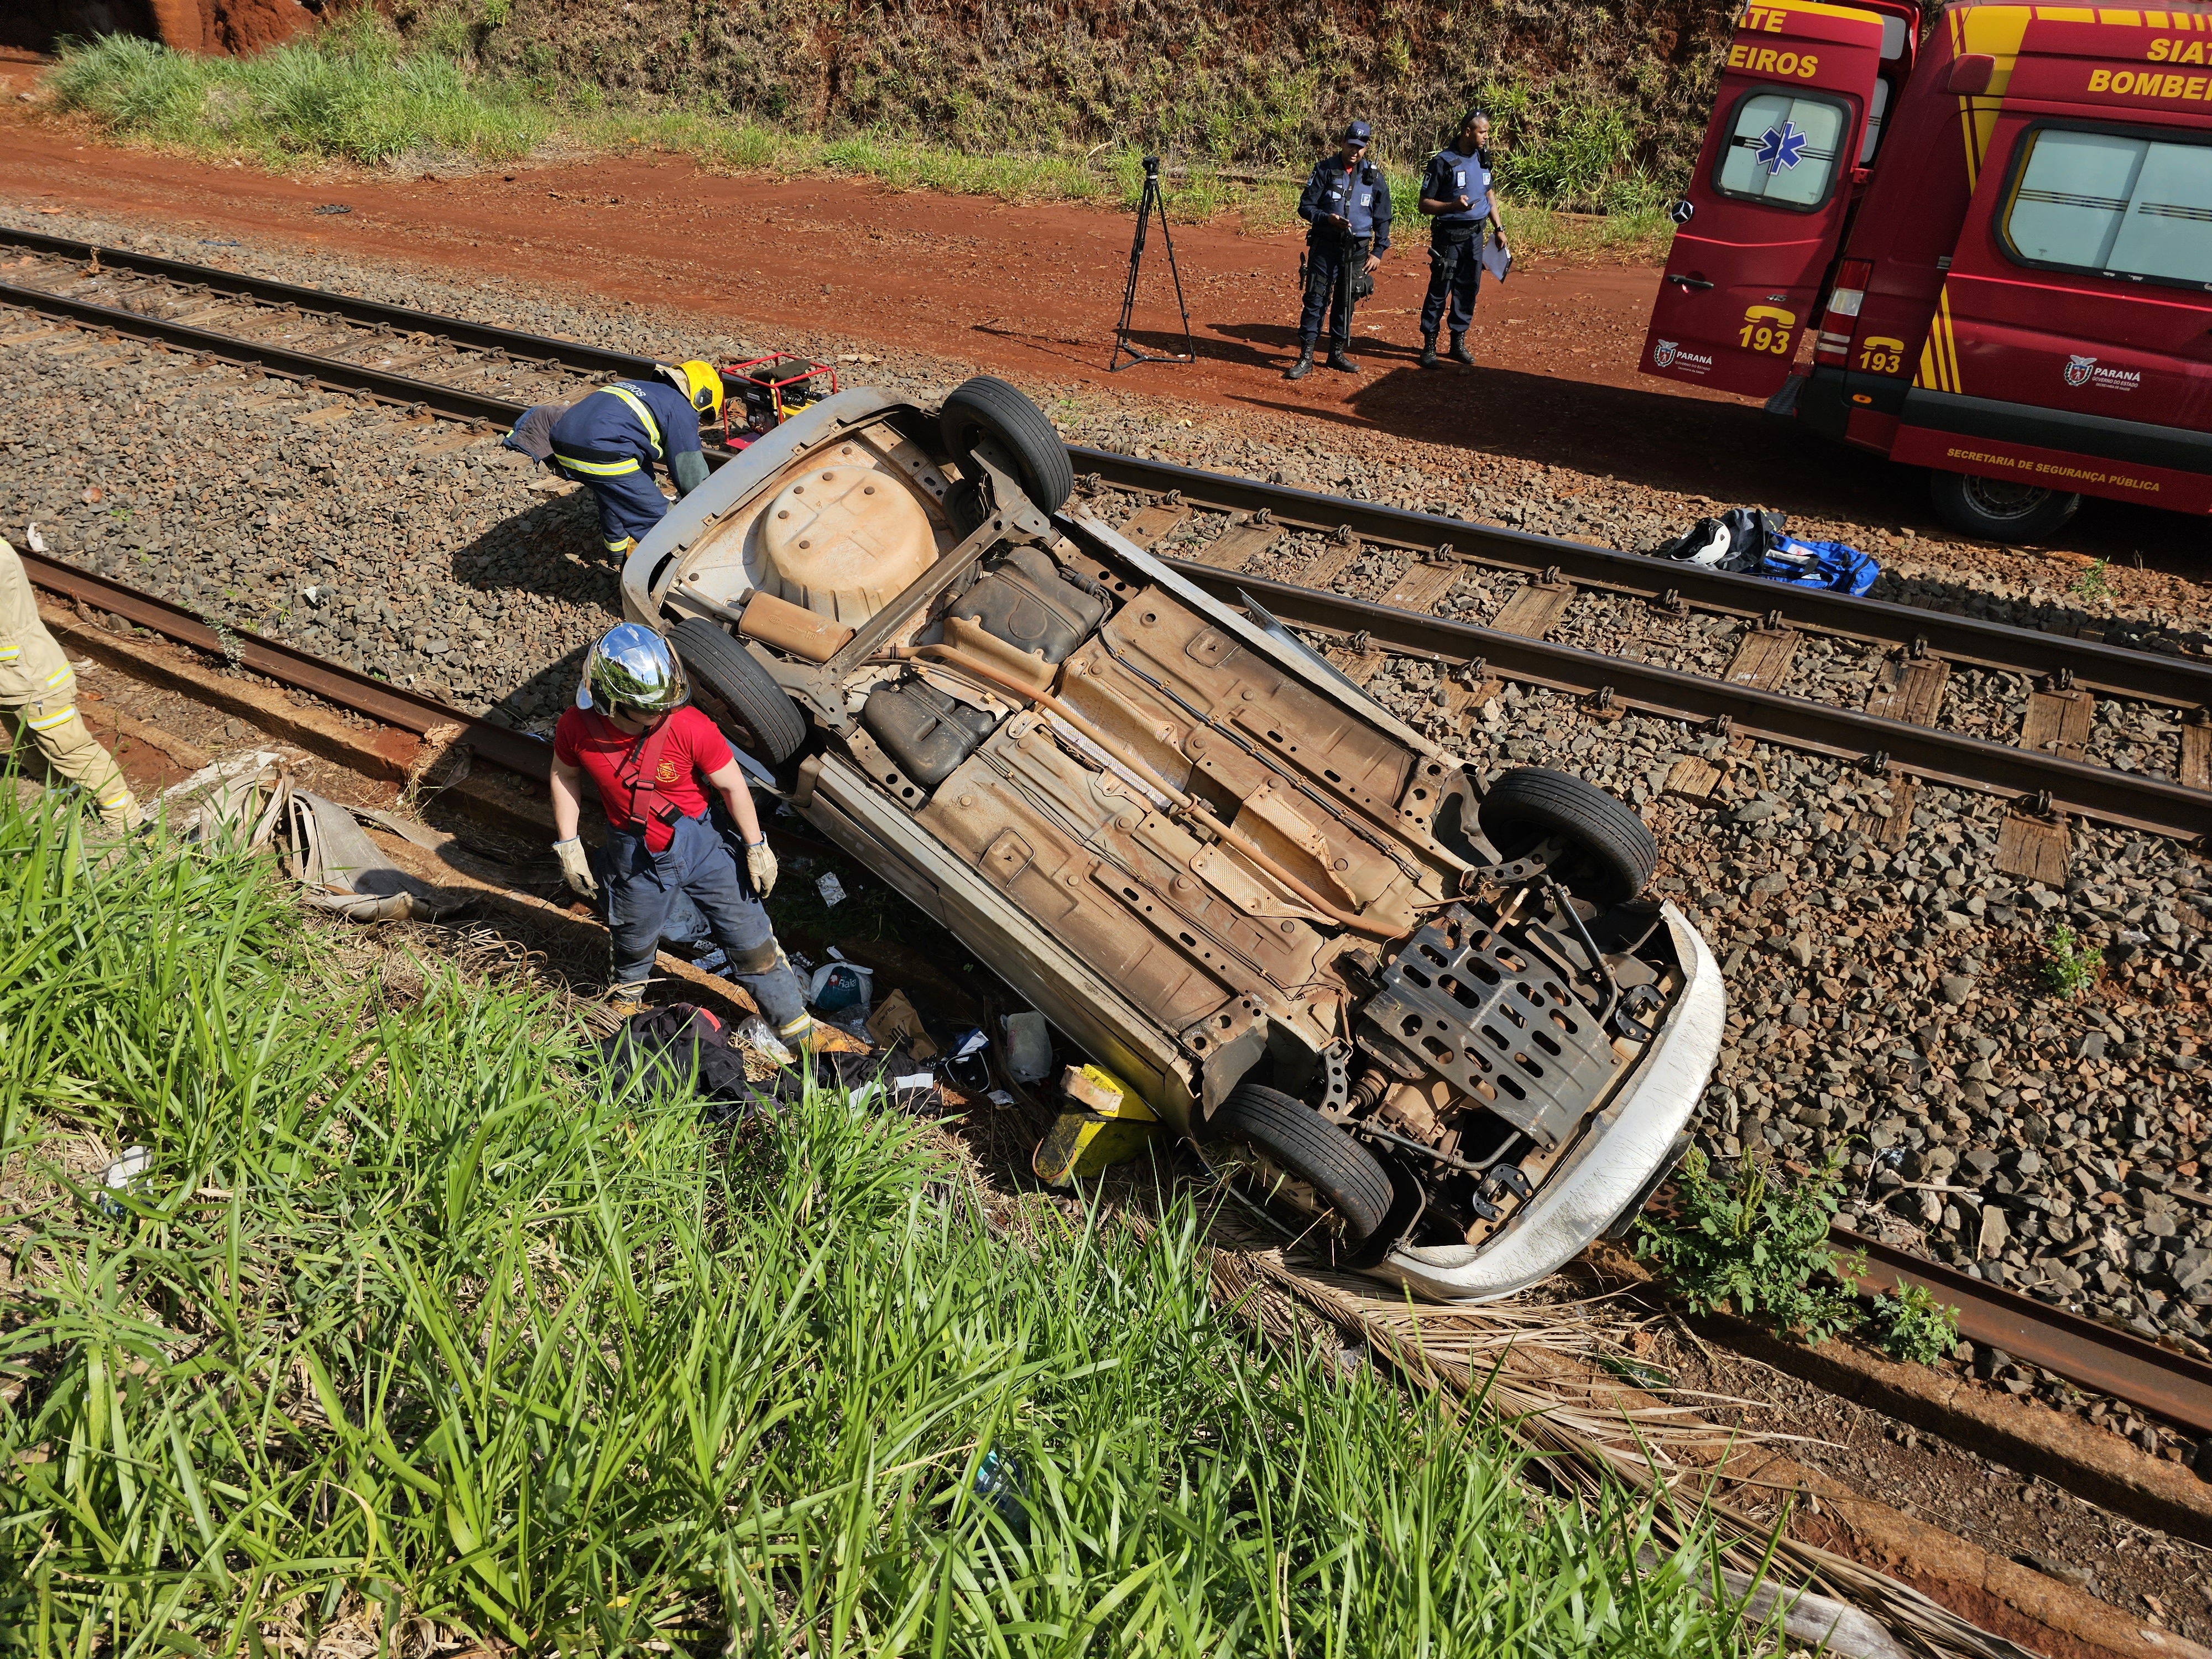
(1432, 1023)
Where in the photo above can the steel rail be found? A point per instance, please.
(2179, 682)
(2169, 1385)
(2153, 677)
(371, 313)
(332, 371)
(388, 705)
(2157, 1380)
(2130, 799)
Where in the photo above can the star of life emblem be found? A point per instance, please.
(1780, 149)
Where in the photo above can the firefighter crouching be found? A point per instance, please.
(1346, 202)
(649, 751)
(611, 440)
(38, 692)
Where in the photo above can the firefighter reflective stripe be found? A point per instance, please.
(9, 652)
(109, 803)
(61, 716)
(622, 546)
(56, 676)
(798, 1027)
(598, 469)
(637, 408)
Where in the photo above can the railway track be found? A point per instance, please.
(2157, 1380)
(2038, 701)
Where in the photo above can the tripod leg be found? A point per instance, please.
(1189, 347)
(1129, 290)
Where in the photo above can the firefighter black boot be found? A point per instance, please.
(1459, 354)
(1341, 363)
(1429, 352)
(1304, 367)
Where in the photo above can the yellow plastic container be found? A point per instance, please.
(1103, 1122)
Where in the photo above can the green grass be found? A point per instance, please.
(355, 92)
(408, 1318)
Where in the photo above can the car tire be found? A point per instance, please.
(1612, 852)
(986, 407)
(1307, 1146)
(1998, 510)
(729, 672)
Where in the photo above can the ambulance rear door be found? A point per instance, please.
(1767, 205)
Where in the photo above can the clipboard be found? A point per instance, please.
(1497, 261)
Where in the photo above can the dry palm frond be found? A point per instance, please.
(1523, 1360)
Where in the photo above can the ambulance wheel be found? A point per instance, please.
(1610, 853)
(733, 674)
(1997, 509)
(1293, 1156)
(986, 407)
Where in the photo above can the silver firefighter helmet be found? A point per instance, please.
(632, 667)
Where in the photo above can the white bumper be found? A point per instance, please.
(1605, 1173)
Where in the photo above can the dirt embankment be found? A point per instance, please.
(1259, 80)
(223, 26)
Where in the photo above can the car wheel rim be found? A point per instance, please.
(1995, 498)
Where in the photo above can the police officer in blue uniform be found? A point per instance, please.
(611, 440)
(1456, 194)
(1348, 204)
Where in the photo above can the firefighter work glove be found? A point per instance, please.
(573, 869)
(760, 864)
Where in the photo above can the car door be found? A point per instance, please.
(1766, 203)
(2083, 285)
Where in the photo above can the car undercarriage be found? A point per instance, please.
(1422, 1020)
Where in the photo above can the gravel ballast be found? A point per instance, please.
(1896, 998)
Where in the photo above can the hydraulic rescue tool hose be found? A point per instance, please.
(1188, 805)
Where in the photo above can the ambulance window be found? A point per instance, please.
(1877, 106)
(2115, 204)
(1892, 39)
(1782, 148)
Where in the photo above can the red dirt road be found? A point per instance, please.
(1034, 291)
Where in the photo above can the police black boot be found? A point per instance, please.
(1304, 367)
(1429, 358)
(1340, 363)
(1459, 354)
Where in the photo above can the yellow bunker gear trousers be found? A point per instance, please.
(38, 693)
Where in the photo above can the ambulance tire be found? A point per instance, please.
(1610, 851)
(1997, 510)
(1303, 1145)
(733, 674)
(986, 407)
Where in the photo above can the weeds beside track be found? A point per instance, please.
(407, 1317)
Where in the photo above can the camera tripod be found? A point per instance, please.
(1148, 204)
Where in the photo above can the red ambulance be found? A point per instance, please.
(2003, 225)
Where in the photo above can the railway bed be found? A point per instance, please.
(1870, 782)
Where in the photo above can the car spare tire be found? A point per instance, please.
(1610, 855)
(1304, 1145)
(986, 407)
(733, 674)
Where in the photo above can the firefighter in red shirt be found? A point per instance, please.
(648, 751)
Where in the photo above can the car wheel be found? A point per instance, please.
(1284, 1144)
(1997, 509)
(986, 407)
(733, 674)
(1610, 853)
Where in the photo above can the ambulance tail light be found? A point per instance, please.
(1843, 302)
